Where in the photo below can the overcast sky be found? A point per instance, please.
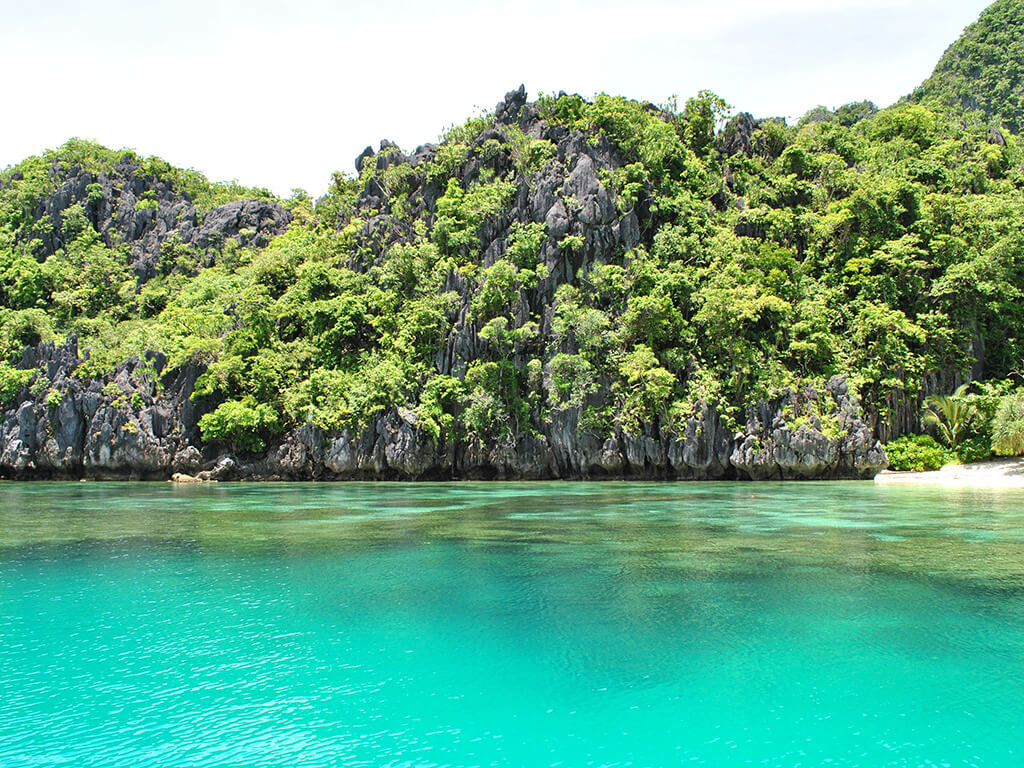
(281, 94)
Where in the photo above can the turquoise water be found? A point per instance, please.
(510, 624)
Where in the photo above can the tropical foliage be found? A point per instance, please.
(984, 69)
(1008, 425)
(916, 453)
(950, 415)
(885, 246)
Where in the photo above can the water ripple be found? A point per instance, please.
(460, 625)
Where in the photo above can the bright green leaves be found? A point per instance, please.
(528, 155)
(702, 115)
(885, 347)
(12, 381)
(1008, 425)
(499, 286)
(494, 405)
(643, 135)
(244, 424)
(907, 123)
(461, 213)
(652, 319)
(88, 278)
(573, 377)
(524, 243)
(631, 182)
(649, 387)
(918, 453)
(951, 416)
(412, 268)
(440, 401)
(24, 282)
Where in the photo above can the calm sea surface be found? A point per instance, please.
(527, 625)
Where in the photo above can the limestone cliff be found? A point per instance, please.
(141, 420)
(127, 426)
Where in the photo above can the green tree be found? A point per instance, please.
(950, 415)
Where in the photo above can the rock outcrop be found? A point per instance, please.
(134, 425)
(144, 211)
(141, 420)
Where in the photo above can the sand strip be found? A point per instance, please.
(1002, 473)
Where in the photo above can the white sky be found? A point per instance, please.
(280, 94)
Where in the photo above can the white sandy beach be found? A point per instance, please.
(1002, 473)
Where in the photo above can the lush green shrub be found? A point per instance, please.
(572, 379)
(23, 281)
(12, 381)
(572, 243)
(54, 398)
(40, 386)
(524, 243)
(23, 328)
(494, 405)
(440, 400)
(951, 416)
(498, 289)
(649, 388)
(461, 213)
(1008, 425)
(244, 424)
(974, 449)
(917, 453)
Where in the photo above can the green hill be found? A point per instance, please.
(984, 70)
(562, 288)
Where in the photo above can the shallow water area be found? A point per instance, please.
(475, 624)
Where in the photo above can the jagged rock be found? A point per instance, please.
(788, 440)
(736, 137)
(365, 155)
(94, 432)
(996, 137)
(187, 459)
(123, 425)
(597, 205)
(508, 110)
(99, 431)
(113, 203)
(250, 222)
(703, 449)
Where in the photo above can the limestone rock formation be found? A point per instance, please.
(141, 420)
(128, 426)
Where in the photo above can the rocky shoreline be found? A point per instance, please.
(141, 422)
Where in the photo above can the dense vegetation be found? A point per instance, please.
(885, 246)
(984, 69)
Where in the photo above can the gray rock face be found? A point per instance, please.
(737, 137)
(145, 211)
(141, 421)
(808, 435)
(127, 426)
(123, 427)
(508, 110)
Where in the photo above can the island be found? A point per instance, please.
(564, 287)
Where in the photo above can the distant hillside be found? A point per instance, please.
(984, 69)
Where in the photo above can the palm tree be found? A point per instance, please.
(950, 416)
